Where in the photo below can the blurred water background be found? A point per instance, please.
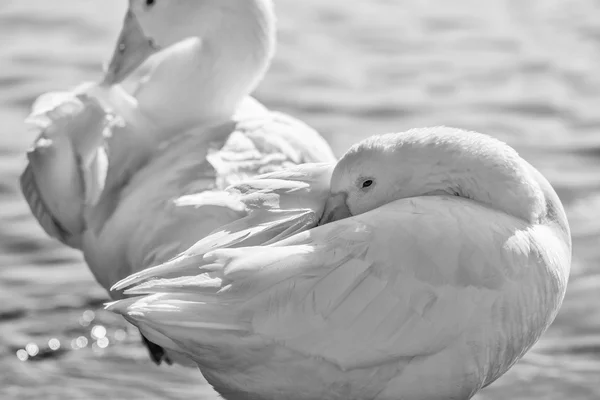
(524, 71)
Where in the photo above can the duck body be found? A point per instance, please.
(428, 296)
(144, 214)
(155, 216)
(110, 168)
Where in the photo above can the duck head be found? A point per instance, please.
(207, 53)
(436, 161)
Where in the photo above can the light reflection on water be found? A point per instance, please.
(54, 344)
(97, 336)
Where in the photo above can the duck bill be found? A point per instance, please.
(132, 49)
(335, 208)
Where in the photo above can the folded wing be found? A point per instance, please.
(406, 280)
(275, 205)
(67, 163)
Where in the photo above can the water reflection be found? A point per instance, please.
(87, 318)
(103, 342)
(32, 349)
(98, 332)
(96, 338)
(120, 335)
(22, 355)
(54, 344)
(79, 343)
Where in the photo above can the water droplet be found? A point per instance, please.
(22, 355)
(82, 341)
(97, 349)
(32, 349)
(98, 332)
(103, 342)
(54, 344)
(120, 335)
(74, 344)
(89, 315)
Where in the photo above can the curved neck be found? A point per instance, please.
(451, 161)
(512, 190)
(204, 79)
(485, 171)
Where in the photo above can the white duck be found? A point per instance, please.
(452, 261)
(118, 187)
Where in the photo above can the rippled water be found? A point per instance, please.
(524, 71)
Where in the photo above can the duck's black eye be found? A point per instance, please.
(150, 3)
(367, 183)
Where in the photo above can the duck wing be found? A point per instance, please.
(270, 207)
(67, 163)
(409, 280)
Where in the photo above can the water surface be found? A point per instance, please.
(524, 71)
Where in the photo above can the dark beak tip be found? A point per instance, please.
(133, 48)
(336, 208)
(325, 219)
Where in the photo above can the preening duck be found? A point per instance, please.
(441, 258)
(119, 176)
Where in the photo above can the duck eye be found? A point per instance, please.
(150, 3)
(367, 183)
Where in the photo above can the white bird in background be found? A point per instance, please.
(133, 180)
(441, 258)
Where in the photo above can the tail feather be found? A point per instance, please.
(184, 317)
(308, 172)
(258, 227)
(183, 265)
(185, 284)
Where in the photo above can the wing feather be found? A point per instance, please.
(59, 179)
(277, 205)
(366, 290)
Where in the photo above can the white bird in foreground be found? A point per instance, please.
(443, 258)
(132, 181)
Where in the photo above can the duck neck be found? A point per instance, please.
(479, 168)
(202, 80)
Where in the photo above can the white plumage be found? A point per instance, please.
(453, 261)
(133, 180)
